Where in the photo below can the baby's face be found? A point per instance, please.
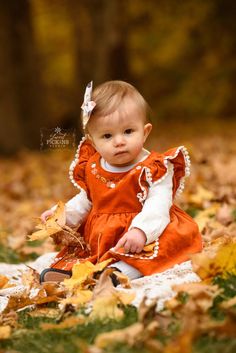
(119, 137)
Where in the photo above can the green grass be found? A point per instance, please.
(207, 344)
(30, 338)
(9, 256)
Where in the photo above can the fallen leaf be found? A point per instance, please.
(79, 298)
(5, 332)
(106, 308)
(127, 335)
(45, 312)
(81, 272)
(69, 322)
(201, 195)
(225, 214)
(3, 281)
(220, 263)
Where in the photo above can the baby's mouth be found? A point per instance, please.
(120, 152)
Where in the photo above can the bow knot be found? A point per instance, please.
(88, 105)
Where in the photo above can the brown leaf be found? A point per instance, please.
(128, 335)
(225, 214)
(45, 312)
(104, 286)
(69, 322)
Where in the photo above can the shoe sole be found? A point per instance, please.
(54, 275)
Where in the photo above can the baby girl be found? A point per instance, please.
(125, 207)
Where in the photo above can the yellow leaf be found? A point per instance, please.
(43, 233)
(101, 265)
(59, 216)
(47, 312)
(82, 271)
(67, 323)
(80, 298)
(203, 217)
(125, 297)
(106, 308)
(5, 332)
(220, 263)
(53, 225)
(200, 196)
(127, 335)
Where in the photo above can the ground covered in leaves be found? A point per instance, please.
(85, 313)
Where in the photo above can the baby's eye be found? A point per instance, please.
(107, 136)
(128, 131)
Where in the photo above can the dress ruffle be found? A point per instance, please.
(84, 152)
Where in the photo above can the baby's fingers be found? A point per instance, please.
(120, 243)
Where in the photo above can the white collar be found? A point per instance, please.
(110, 168)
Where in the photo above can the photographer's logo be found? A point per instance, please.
(57, 138)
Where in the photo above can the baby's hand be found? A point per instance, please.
(132, 241)
(45, 215)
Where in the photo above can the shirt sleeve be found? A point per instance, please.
(155, 214)
(76, 209)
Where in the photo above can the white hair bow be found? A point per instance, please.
(88, 105)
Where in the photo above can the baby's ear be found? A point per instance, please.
(147, 130)
(89, 137)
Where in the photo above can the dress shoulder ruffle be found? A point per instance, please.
(84, 152)
(157, 167)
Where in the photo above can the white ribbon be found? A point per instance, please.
(88, 105)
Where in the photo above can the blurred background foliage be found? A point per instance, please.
(179, 54)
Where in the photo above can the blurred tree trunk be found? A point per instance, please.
(21, 105)
(101, 32)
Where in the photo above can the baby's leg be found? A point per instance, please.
(127, 270)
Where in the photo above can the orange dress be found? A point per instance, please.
(116, 199)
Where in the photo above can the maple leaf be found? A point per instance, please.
(106, 307)
(82, 272)
(55, 227)
(52, 226)
(220, 263)
(80, 298)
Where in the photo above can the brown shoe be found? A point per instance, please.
(54, 275)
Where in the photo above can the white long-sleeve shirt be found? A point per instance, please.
(153, 218)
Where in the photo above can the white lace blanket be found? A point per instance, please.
(157, 287)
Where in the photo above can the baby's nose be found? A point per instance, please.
(119, 140)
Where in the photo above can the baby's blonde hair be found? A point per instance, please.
(109, 96)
